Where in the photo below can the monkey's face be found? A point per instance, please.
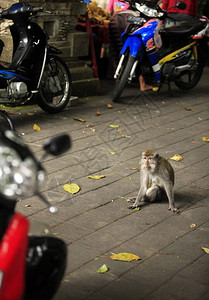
(148, 163)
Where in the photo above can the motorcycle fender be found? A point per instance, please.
(53, 50)
(13, 252)
(135, 46)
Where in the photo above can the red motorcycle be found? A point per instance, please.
(31, 267)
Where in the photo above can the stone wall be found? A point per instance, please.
(60, 25)
(5, 34)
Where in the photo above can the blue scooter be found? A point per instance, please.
(179, 58)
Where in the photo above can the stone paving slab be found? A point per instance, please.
(96, 222)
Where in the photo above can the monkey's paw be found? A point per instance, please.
(134, 206)
(175, 210)
(131, 200)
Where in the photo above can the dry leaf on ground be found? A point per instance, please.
(205, 139)
(109, 106)
(177, 157)
(71, 188)
(103, 269)
(193, 225)
(36, 127)
(206, 250)
(187, 109)
(113, 126)
(125, 257)
(96, 177)
(79, 119)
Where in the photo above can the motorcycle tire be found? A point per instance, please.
(45, 267)
(55, 87)
(189, 79)
(123, 77)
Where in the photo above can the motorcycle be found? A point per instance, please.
(31, 267)
(179, 59)
(35, 70)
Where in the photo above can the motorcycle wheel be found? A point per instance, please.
(189, 79)
(55, 87)
(45, 267)
(123, 77)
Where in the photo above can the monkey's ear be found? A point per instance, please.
(156, 155)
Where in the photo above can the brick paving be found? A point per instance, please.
(96, 221)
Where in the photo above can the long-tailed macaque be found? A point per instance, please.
(156, 177)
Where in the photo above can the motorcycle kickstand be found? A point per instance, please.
(158, 88)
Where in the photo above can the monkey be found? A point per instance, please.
(156, 178)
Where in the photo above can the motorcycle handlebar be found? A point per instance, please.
(40, 9)
(25, 9)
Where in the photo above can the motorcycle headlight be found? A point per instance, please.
(148, 11)
(18, 177)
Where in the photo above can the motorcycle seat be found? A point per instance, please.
(183, 29)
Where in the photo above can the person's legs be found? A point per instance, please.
(143, 85)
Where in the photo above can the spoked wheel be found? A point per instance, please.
(123, 77)
(190, 79)
(55, 87)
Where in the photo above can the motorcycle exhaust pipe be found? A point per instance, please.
(191, 66)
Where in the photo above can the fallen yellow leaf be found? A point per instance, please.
(80, 120)
(36, 127)
(112, 153)
(177, 157)
(187, 109)
(96, 176)
(30, 114)
(71, 188)
(205, 139)
(193, 225)
(125, 256)
(113, 126)
(103, 269)
(206, 250)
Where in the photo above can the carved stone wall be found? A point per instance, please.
(60, 25)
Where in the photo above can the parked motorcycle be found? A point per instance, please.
(35, 70)
(179, 59)
(31, 267)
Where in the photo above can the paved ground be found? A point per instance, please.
(96, 221)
